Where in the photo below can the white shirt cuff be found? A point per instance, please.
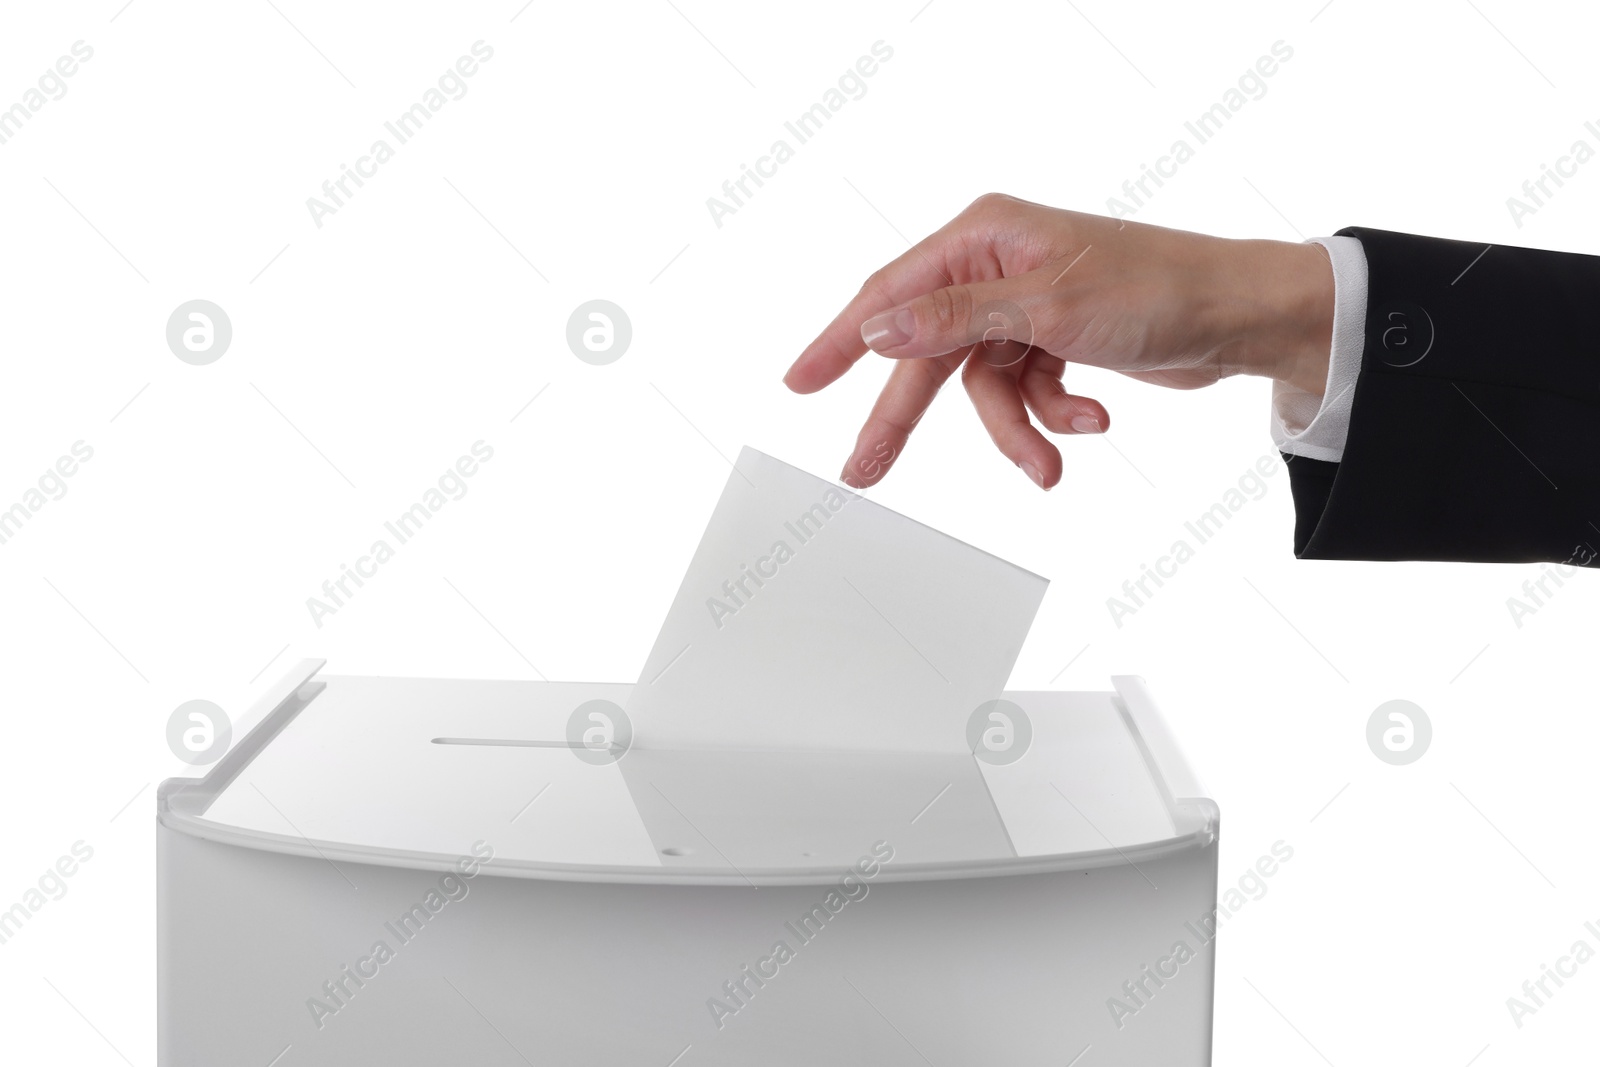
(1304, 424)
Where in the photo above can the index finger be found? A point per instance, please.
(920, 270)
(911, 387)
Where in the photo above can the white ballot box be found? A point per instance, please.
(426, 872)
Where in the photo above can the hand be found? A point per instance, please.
(1014, 291)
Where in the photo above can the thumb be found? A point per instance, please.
(959, 316)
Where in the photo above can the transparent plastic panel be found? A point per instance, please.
(411, 766)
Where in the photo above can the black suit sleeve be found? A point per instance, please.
(1475, 424)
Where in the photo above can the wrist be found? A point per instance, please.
(1276, 304)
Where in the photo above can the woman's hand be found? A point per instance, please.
(1015, 291)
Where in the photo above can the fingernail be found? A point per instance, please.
(848, 475)
(1033, 472)
(1085, 424)
(888, 330)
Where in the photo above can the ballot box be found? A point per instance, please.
(413, 871)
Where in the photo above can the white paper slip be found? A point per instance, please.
(813, 618)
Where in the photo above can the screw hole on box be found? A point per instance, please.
(677, 851)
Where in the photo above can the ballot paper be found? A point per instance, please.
(812, 618)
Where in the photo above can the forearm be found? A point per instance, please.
(1274, 308)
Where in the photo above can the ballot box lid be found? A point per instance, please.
(547, 780)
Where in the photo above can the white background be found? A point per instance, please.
(416, 322)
